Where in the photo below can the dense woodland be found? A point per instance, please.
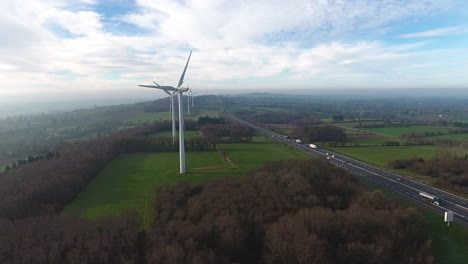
(285, 212)
(450, 170)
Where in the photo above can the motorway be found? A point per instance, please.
(390, 181)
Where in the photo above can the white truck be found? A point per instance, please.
(298, 141)
(313, 146)
(432, 198)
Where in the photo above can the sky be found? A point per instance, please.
(87, 48)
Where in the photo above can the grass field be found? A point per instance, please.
(160, 116)
(284, 131)
(381, 155)
(261, 108)
(125, 182)
(354, 132)
(451, 136)
(354, 124)
(398, 131)
(188, 134)
(371, 141)
(2, 168)
(448, 243)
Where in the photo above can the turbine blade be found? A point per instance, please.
(181, 81)
(170, 88)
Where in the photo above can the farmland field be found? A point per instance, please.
(284, 131)
(354, 124)
(398, 131)
(159, 116)
(450, 136)
(125, 182)
(372, 141)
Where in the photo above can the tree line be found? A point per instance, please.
(285, 212)
(231, 133)
(323, 133)
(450, 170)
(297, 211)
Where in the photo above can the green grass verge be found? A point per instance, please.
(125, 182)
(380, 156)
(449, 243)
(398, 131)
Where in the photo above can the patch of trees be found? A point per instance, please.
(286, 212)
(325, 133)
(390, 143)
(338, 118)
(451, 172)
(31, 158)
(57, 239)
(460, 124)
(203, 120)
(232, 132)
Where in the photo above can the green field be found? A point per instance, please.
(450, 136)
(284, 131)
(354, 124)
(125, 182)
(354, 132)
(2, 168)
(398, 131)
(148, 117)
(448, 243)
(269, 109)
(160, 116)
(381, 155)
(187, 134)
(371, 141)
(261, 108)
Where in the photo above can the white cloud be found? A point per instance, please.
(310, 42)
(437, 32)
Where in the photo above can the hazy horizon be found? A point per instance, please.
(24, 105)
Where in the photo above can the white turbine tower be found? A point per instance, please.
(179, 91)
(192, 99)
(188, 101)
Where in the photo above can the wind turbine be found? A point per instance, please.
(192, 99)
(179, 92)
(171, 111)
(188, 101)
